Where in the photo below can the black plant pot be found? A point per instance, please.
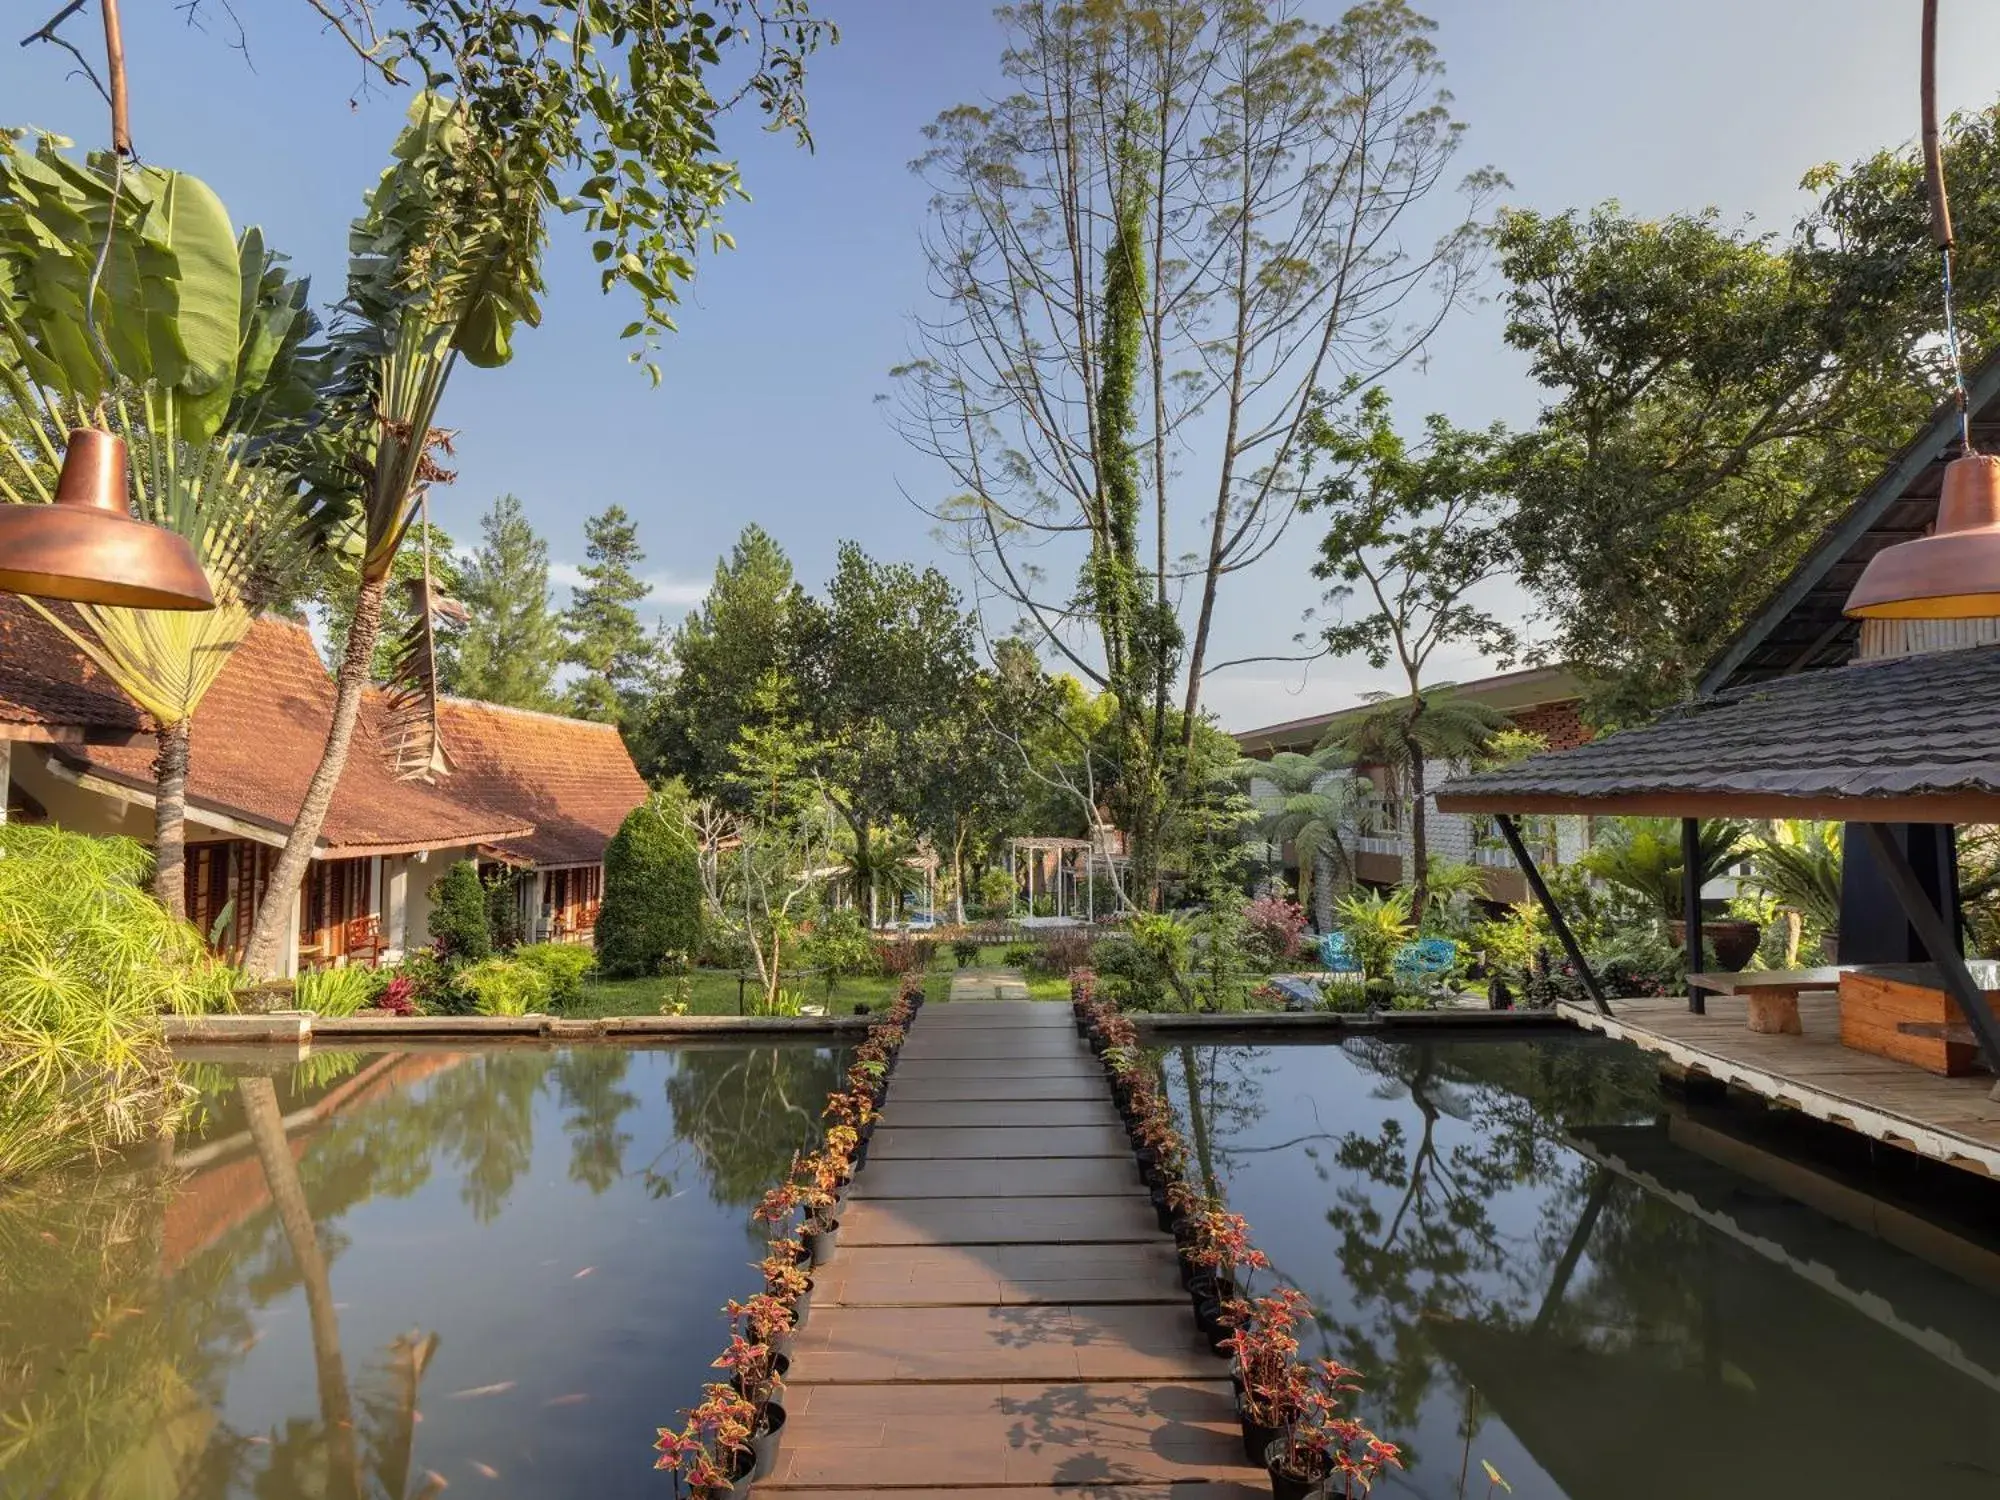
(1161, 1212)
(781, 1366)
(802, 1305)
(820, 1244)
(1147, 1159)
(1208, 1318)
(1286, 1487)
(764, 1445)
(739, 1486)
(1257, 1438)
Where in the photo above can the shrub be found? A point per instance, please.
(1274, 928)
(458, 914)
(563, 965)
(965, 950)
(1377, 925)
(1062, 951)
(398, 997)
(894, 956)
(1021, 955)
(334, 992)
(504, 987)
(429, 978)
(503, 911)
(995, 890)
(652, 894)
(840, 945)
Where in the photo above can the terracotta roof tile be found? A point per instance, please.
(45, 683)
(257, 738)
(573, 779)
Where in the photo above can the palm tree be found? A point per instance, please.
(445, 262)
(1402, 735)
(1318, 796)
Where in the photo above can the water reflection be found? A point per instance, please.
(373, 1275)
(1543, 1263)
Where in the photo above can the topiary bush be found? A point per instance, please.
(564, 965)
(458, 914)
(652, 895)
(503, 911)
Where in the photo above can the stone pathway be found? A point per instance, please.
(1003, 1317)
(988, 984)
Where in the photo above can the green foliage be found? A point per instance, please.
(1799, 866)
(652, 894)
(601, 629)
(1376, 924)
(1317, 797)
(1456, 889)
(458, 913)
(1643, 856)
(335, 992)
(510, 647)
(839, 944)
(965, 951)
(995, 893)
(503, 908)
(1020, 955)
(1509, 944)
(563, 965)
(505, 986)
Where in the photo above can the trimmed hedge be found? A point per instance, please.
(652, 895)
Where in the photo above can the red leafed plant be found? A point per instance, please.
(779, 1204)
(398, 997)
(1276, 926)
(754, 1367)
(850, 1109)
(1222, 1244)
(1265, 1351)
(784, 1276)
(1320, 1444)
(763, 1318)
(709, 1452)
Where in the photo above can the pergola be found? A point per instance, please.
(1909, 741)
(1032, 850)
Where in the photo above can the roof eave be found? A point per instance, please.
(1958, 807)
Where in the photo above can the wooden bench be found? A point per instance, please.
(1772, 995)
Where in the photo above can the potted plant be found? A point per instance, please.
(711, 1456)
(1323, 1454)
(786, 1278)
(757, 1375)
(819, 1192)
(1263, 1353)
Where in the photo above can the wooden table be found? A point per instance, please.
(1772, 995)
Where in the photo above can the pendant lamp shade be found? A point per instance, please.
(88, 547)
(1952, 574)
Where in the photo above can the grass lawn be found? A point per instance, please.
(714, 993)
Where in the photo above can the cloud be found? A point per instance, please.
(668, 592)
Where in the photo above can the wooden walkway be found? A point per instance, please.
(1003, 1318)
(1948, 1119)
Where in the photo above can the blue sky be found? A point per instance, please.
(767, 410)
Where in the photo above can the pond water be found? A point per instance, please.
(1541, 1261)
(522, 1257)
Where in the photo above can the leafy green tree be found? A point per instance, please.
(1318, 798)
(604, 636)
(652, 893)
(458, 913)
(1413, 536)
(719, 654)
(886, 663)
(510, 646)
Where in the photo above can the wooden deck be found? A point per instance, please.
(1002, 1318)
(1951, 1120)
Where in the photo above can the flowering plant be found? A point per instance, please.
(708, 1453)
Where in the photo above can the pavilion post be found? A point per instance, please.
(1556, 919)
(1937, 937)
(1691, 910)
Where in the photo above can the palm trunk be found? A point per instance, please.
(262, 957)
(170, 772)
(281, 1176)
(1322, 897)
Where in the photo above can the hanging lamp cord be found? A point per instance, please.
(1941, 221)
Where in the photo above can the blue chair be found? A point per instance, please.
(1336, 955)
(1422, 963)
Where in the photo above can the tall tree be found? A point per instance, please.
(1263, 177)
(718, 658)
(604, 636)
(337, 590)
(511, 645)
(1413, 538)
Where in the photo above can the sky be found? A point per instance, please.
(768, 411)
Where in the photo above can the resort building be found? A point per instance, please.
(1543, 701)
(533, 793)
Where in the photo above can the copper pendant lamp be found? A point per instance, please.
(1954, 573)
(88, 546)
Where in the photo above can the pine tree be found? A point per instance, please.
(601, 625)
(512, 645)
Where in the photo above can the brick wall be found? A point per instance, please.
(1558, 723)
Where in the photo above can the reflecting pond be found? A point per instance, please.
(1541, 1261)
(379, 1274)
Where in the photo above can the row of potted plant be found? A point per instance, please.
(730, 1439)
(1292, 1411)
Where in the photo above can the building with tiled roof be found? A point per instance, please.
(536, 793)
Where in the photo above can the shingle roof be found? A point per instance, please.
(257, 738)
(573, 779)
(48, 691)
(1916, 739)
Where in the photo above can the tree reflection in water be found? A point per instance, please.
(130, 1298)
